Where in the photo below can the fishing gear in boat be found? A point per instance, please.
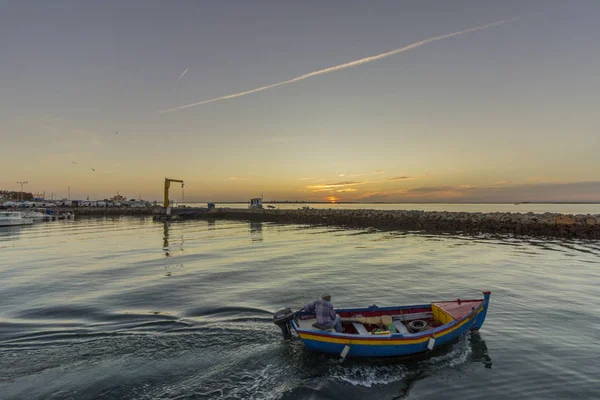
(417, 325)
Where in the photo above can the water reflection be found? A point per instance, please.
(166, 226)
(480, 350)
(395, 377)
(256, 231)
(174, 269)
(7, 231)
(168, 239)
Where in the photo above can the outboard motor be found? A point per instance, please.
(282, 319)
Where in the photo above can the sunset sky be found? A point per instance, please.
(91, 97)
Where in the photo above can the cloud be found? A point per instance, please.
(540, 180)
(430, 189)
(398, 178)
(379, 171)
(335, 185)
(533, 192)
(343, 66)
(237, 178)
(345, 190)
(420, 193)
(315, 180)
(415, 194)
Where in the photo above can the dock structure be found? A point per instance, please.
(526, 224)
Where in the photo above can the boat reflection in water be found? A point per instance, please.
(479, 350)
(256, 231)
(7, 231)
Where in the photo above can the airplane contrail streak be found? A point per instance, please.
(342, 66)
(182, 74)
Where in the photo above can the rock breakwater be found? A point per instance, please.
(530, 224)
(527, 224)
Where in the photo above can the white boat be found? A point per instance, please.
(13, 219)
(36, 215)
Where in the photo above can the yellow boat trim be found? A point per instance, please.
(365, 342)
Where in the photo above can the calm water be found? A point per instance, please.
(129, 308)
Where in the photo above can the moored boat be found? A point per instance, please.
(9, 218)
(388, 331)
(36, 215)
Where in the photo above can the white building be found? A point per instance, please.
(256, 203)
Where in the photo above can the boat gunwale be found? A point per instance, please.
(434, 332)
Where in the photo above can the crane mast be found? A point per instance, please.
(167, 186)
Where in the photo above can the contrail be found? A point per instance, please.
(182, 74)
(342, 66)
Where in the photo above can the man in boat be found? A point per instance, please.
(326, 315)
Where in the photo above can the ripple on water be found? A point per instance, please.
(129, 308)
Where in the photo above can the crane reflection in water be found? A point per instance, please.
(166, 239)
(171, 269)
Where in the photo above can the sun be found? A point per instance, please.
(332, 199)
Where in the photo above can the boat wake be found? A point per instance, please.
(458, 355)
(369, 376)
(404, 369)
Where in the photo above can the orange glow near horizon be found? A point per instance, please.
(333, 199)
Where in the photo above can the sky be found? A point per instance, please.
(102, 97)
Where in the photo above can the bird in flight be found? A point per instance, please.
(116, 133)
(93, 169)
(73, 162)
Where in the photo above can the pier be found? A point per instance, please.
(581, 226)
(525, 224)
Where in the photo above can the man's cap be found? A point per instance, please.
(325, 295)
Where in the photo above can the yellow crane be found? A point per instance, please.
(167, 186)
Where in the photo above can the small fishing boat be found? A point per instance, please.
(8, 218)
(387, 331)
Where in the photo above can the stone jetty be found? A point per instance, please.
(528, 224)
(525, 224)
